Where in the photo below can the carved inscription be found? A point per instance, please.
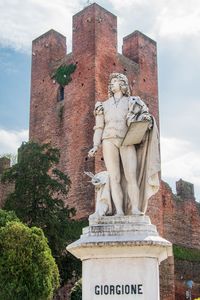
(124, 289)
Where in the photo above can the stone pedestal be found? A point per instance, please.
(121, 257)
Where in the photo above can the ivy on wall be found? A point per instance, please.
(184, 253)
(63, 74)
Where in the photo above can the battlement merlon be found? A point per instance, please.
(95, 29)
(48, 48)
(135, 43)
(143, 50)
(95, 32)
(185, 190)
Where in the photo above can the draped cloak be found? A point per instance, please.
(148, 168)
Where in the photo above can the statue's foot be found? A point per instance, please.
(94, 215)
(137, 212)
(119, 214)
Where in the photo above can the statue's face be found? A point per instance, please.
(115, 85)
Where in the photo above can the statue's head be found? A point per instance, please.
(123, 82)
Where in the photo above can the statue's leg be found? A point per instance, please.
(112, 161)
(129, 162)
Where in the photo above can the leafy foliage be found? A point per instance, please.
(70, 266)
(7, 216)
(63, 74)
(27, 268)
(76, 292)
(37, 201)
(184, 253)
(38, 186)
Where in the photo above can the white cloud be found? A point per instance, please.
(22, 21)
(164, 18)
(10, 141)
(126, 4)
(178, 18)
(180, 160)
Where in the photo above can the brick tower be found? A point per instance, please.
(68, 124)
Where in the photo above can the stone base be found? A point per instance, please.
(121, 257)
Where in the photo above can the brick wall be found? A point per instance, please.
(181, 220)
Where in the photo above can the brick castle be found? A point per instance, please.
(67, 123)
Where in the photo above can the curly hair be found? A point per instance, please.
(123, 82)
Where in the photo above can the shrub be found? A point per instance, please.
(27, 268)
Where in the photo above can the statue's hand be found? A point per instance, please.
(148, 118)
(92, 151)
(144, 117)
(130, 119)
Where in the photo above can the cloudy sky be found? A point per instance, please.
(174, 24)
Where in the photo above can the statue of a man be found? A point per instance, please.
(133, 169)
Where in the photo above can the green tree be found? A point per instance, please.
(37, 198)
(69, 266)
(27, 268)
(39, 185)
(7, 216)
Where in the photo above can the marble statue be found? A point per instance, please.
(129, 138)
